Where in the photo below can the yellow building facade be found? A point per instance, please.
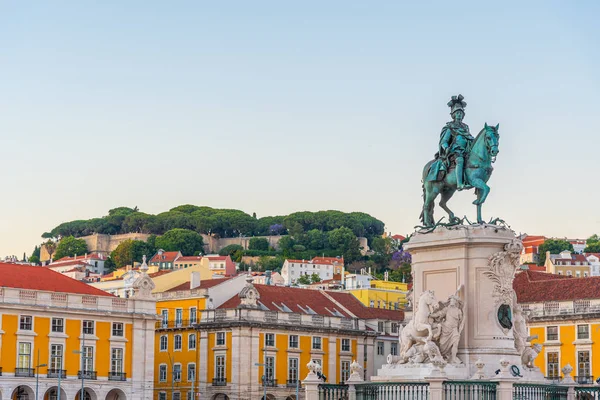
(74, 332)
(383, 294)
(238, 339)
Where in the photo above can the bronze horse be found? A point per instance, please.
(478, 169)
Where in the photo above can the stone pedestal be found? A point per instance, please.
(418, 372)
(458, 258)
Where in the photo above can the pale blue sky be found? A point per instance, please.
(274, 107)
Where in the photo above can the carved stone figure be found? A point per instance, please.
(452, 325)
(433, 333)
(418, 330)
(462, 162)
(529, 355)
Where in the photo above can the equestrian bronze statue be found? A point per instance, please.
(462, 162)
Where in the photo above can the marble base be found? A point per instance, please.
(532, 375)
(418, 372)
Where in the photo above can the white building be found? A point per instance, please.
(594, 260)
(93, 262)
(358, 281)
(324, 267)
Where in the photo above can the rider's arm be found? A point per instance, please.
(445, 141)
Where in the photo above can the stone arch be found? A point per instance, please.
(269, 397)
(89, 394)
(116, 394)
(52, 393)
(22, 392)
(220, 396)
(291, 397)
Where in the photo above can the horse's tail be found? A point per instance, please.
(422, 216)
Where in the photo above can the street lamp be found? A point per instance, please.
(83, 369)
(37, 374)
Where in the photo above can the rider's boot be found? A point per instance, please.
(460, 162)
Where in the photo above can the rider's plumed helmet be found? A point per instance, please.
(457, 103)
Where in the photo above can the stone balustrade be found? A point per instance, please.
(24, 297)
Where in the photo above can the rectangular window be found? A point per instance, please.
(162, 373)
(270, 368)
(380, 326)
(220, 370)
(220, 338)
(88, 327)
(553, 370)
(178, 317)
(88, 358)
(24, 360)
(293, 341)
(177, 342)
(193, 316)
(394, 349)
(394, 327)
(165, 318)
(379, 348)
(583, 366)
(552, 333)
(292, 370)
(177, 372)
(583, 331)
(116, 360)
(269, 339)
(192, 341)
(164, 343)
(56, 354)
(162, 396)
(345, 344)
(345, 371)
(191, 375)
(26, 323)
(58, 325)
(117, 329)
(176, 396)
(316, 343)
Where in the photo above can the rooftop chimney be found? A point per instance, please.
(194, 280)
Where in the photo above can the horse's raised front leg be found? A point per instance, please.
(446, 195)
(482, 190)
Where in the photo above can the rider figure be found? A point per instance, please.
(455, 141)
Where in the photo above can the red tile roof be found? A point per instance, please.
(167, 256)
(318, 301)
(320, 261)
(204, 284)
(361, 311)
(539, 287)
(398, 237)
(293, 298)
(189, 258)
(574, 257)
(39, 278)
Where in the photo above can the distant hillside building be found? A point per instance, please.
(530, 253)
(324, 267)
(93, 262)
(567, 263)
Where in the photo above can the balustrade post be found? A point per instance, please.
(436, 387)
(351, 392)
(312, 381)
(504, 390)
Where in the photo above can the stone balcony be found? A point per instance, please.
(75, 302)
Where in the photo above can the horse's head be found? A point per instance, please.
(492, 139)
(428, 297)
